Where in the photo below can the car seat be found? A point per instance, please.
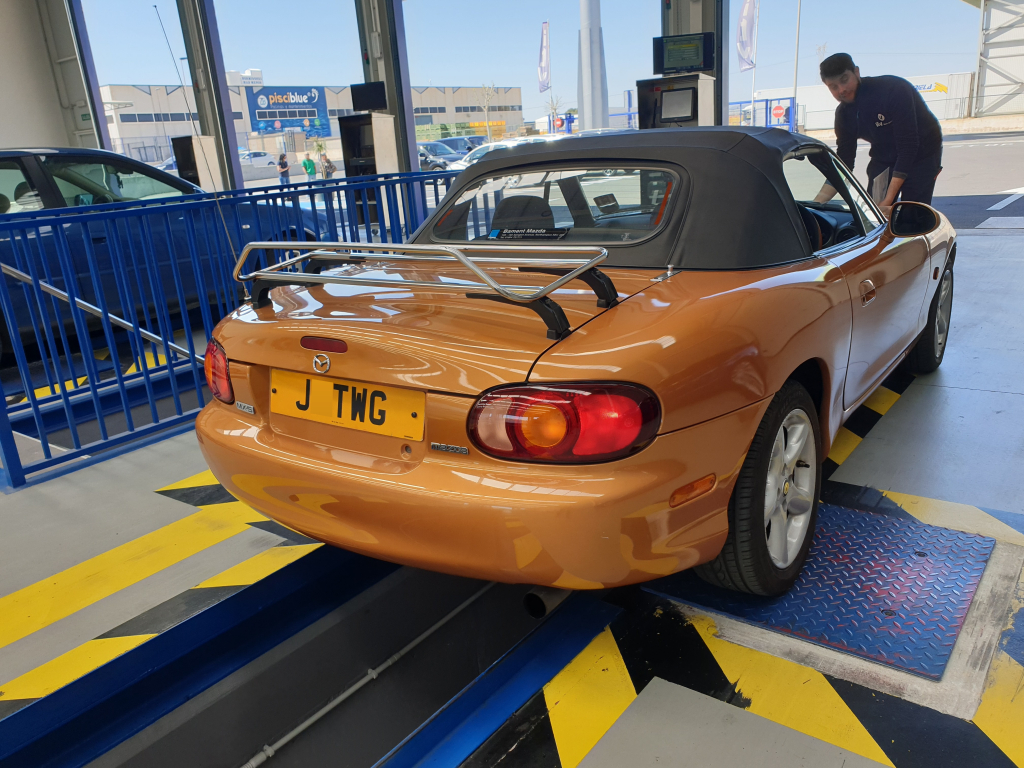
(21, 191)
(521, 212)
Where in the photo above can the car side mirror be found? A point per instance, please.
(912, 219)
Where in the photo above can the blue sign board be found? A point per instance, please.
(274, 109)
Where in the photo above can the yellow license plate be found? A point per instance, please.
(350, 404)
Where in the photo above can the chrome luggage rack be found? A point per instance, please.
(325, 256)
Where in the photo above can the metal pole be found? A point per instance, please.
(753, 73)
(976, 90)
(796, 61)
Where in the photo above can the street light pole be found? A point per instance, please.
(796, 64)
(753, 74)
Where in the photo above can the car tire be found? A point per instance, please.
(753, 560)
(930, 348)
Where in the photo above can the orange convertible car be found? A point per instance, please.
(601, 360)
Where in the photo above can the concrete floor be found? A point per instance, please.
(669, 726)
(77, 520)
(956, 434)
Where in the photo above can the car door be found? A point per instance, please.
(887, 280)
(92, 179)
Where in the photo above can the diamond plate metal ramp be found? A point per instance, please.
(890, 590)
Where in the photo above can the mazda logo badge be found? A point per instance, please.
(321, 363)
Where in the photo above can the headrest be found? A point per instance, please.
(5, 203)
(21, 190)
(521, 211)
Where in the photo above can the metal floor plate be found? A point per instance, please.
(890, 590)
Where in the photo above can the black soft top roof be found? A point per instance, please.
(738, 211)
(763, 147)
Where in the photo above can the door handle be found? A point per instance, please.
(100, 240)
(867, 292)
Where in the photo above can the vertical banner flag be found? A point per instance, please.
(544, 65)
(745, 35)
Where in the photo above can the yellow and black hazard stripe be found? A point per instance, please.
(220, 516)
(653, 638)
(863, 419)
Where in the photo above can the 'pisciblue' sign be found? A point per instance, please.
(274, 109)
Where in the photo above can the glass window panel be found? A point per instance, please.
(83, 181)
(17, 195)
(578, 205)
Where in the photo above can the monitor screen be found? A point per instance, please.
(684, 53)
(678, 105)
(367, 96)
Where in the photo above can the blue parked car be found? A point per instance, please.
(73, 181)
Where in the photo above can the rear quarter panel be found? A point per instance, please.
(709, 343)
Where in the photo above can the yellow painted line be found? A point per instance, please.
(587, 697)
(881, 400)
(50, 600)
(196, 481)
(70, 385)
(152, 362)
(68, 667)
(1001, 712)
(843, 445)
(790, 694)
(958, 517)
(259, 566)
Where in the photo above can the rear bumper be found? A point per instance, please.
(574, 527)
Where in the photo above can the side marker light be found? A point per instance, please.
(691, 491)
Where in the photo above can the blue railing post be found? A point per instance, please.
(11, 473)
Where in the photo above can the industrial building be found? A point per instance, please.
(141, 119)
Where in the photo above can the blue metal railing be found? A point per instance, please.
(106, 313)
(778, 113)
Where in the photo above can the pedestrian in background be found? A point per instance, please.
(282, 169)
(327, 166)
(889, 114)
(310, 168)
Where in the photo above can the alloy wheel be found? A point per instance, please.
(790, 488)
(943, 312)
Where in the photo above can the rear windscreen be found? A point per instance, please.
(577, 205)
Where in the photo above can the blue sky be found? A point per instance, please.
(463, 43)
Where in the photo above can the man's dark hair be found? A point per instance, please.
(836, 64)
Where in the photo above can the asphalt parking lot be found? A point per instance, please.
(980, 175)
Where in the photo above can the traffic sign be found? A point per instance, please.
(559, 122)
(778, 111)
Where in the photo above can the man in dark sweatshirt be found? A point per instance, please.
(888, 113)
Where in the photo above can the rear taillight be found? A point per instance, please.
(565, 423)
(217, 377)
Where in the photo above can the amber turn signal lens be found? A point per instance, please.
(565, 423)
(218, 376)
(691, 491)
(544, 425)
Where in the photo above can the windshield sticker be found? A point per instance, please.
(529, 233)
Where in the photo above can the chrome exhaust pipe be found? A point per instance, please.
(540, 601)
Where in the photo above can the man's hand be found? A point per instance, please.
(890, 196)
